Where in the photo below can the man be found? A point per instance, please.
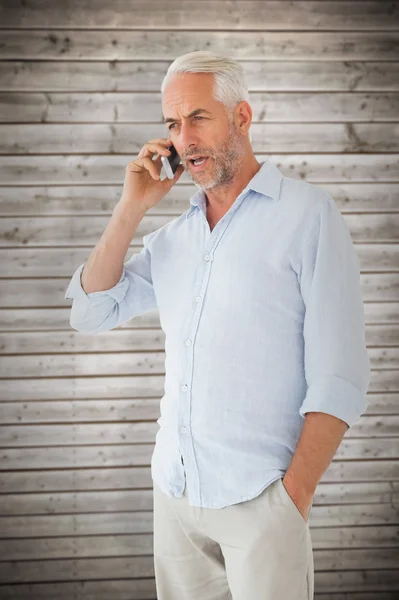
(257, 286)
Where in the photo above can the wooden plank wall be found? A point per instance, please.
(79, 95)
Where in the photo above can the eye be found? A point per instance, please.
(196, 117)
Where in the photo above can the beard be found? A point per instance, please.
(223, 163)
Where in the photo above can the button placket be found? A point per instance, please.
(201, 284)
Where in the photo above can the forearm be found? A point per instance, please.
(319, 440)
(104, 266)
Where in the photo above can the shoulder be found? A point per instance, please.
(303, 197)
(163, 234)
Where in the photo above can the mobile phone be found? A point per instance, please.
(171, 162)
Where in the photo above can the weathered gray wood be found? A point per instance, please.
(142, 566)
(247, 14)
(348, 510)
(118, 455)
(97, 200)
(109, 169)
(79, 411)
(357, 581)
(324, 538)
(140, 589)
(50, 319)
(111, 138)
(32, 261)
(86, 230)
(125, 362)
(69, 388)
(123, 589)
(70, 434)
(375, 287)
(127, 340)
(139, 340)
(355, 596)
(355, 515)
(140, 75)
(116, 107)
(75, 365)
(62, 262)
(67, 44)
(112, 523)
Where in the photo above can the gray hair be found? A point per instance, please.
(230, 85)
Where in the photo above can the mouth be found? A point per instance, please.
(202, 161)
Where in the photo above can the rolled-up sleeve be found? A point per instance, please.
(336, 361)
(131, 296)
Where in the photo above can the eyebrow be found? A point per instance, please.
(192, 114)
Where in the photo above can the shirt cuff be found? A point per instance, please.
(335, 396)
(75, 289)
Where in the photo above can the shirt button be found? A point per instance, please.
(183, 429)
(207, 257)
(198, 299)
(188, 342)
(184, 388)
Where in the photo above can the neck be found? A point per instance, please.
(220, 199)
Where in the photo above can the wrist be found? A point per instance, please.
(129, 210)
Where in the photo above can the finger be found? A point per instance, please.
(144, 164)
(155, 147)
(170, 182)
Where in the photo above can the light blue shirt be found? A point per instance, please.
(264, 322)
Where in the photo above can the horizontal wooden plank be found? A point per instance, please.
(93, 524)
(79, 546)
(87, 230)
(137, 431)
(267, 107)
(348, 510)
(118, 138)
(247, 14)
(142, 566)
(145, 386)
(67, 44)
(52, 319)
(145, 76)
(117, 340)
(123, 455)
(72, 363)
(109, 169)
(149, 340)
(62, 262)
(138, 589)
(80, 200)
(24, 293)
(358, 596)
(118, 363)
(123, 589)
(141, 522)
(84, 231)
(90, 568)
(81, 410)
(59, 411)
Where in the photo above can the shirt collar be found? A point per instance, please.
(267, 181)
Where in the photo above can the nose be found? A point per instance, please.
(187, 141)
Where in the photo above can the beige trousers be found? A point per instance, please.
(260, 549)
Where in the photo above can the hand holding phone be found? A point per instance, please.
(143, 187)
